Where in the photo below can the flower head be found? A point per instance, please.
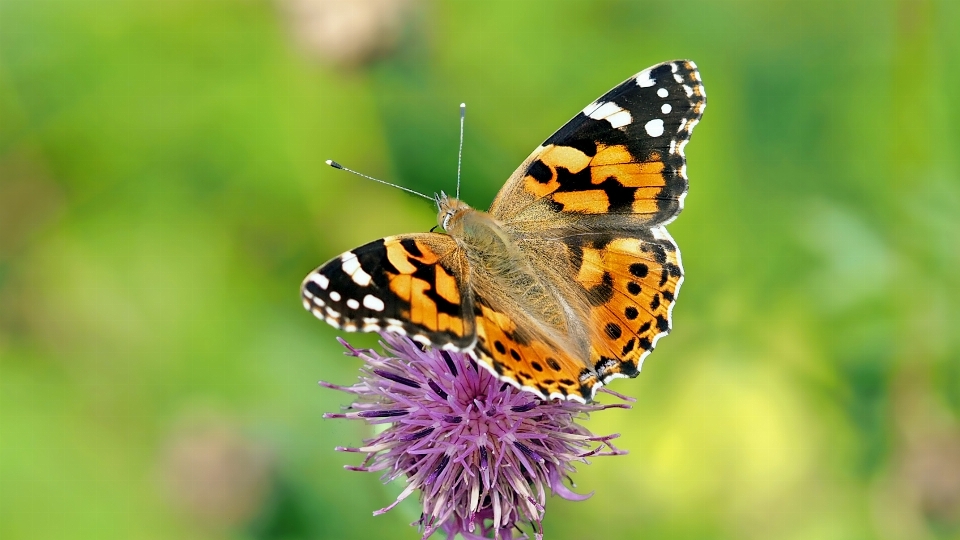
(482, 454)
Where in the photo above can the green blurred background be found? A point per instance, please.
(163, 193)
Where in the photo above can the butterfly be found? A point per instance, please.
(570, 278)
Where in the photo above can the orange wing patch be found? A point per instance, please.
(618, 162)
(429, 292)
(598, 179)
(591, 201)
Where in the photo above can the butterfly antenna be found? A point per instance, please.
(463, 113)
(336, 165)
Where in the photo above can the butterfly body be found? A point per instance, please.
(570, 278)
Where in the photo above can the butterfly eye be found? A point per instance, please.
(446, 219)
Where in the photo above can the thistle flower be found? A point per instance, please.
(482, 454)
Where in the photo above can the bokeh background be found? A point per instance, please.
(163, 193)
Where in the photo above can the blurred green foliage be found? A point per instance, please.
(162, 194)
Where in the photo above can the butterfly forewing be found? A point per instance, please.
(408, 284)
(619, 162)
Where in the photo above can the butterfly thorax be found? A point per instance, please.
(497, 265)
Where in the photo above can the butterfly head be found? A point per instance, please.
(449, 211)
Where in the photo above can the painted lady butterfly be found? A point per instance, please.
(570, 279)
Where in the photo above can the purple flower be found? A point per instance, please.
(482, 453)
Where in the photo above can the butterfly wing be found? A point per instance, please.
(524, 354)
(620, 290)
(618, 164)
(588, 208)
(410, 284)
(632, 284)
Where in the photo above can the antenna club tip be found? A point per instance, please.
(334, 164)
(463, 105)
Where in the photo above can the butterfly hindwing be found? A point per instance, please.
(621, 157)
(528, 359)
(409, 284)
(639, 279)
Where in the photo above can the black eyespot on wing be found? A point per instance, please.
(639, 270)
(613, 331)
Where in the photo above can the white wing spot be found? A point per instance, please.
(335, 296)
(353, 304)
(677, 78)
(361, 278)
(654, 127)
(620, 119)
(320, 280)
(351, 267)
(350, 263)
(644, 80)
(663, 92)
(609, 111)
(666, 108)
(372, 302)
